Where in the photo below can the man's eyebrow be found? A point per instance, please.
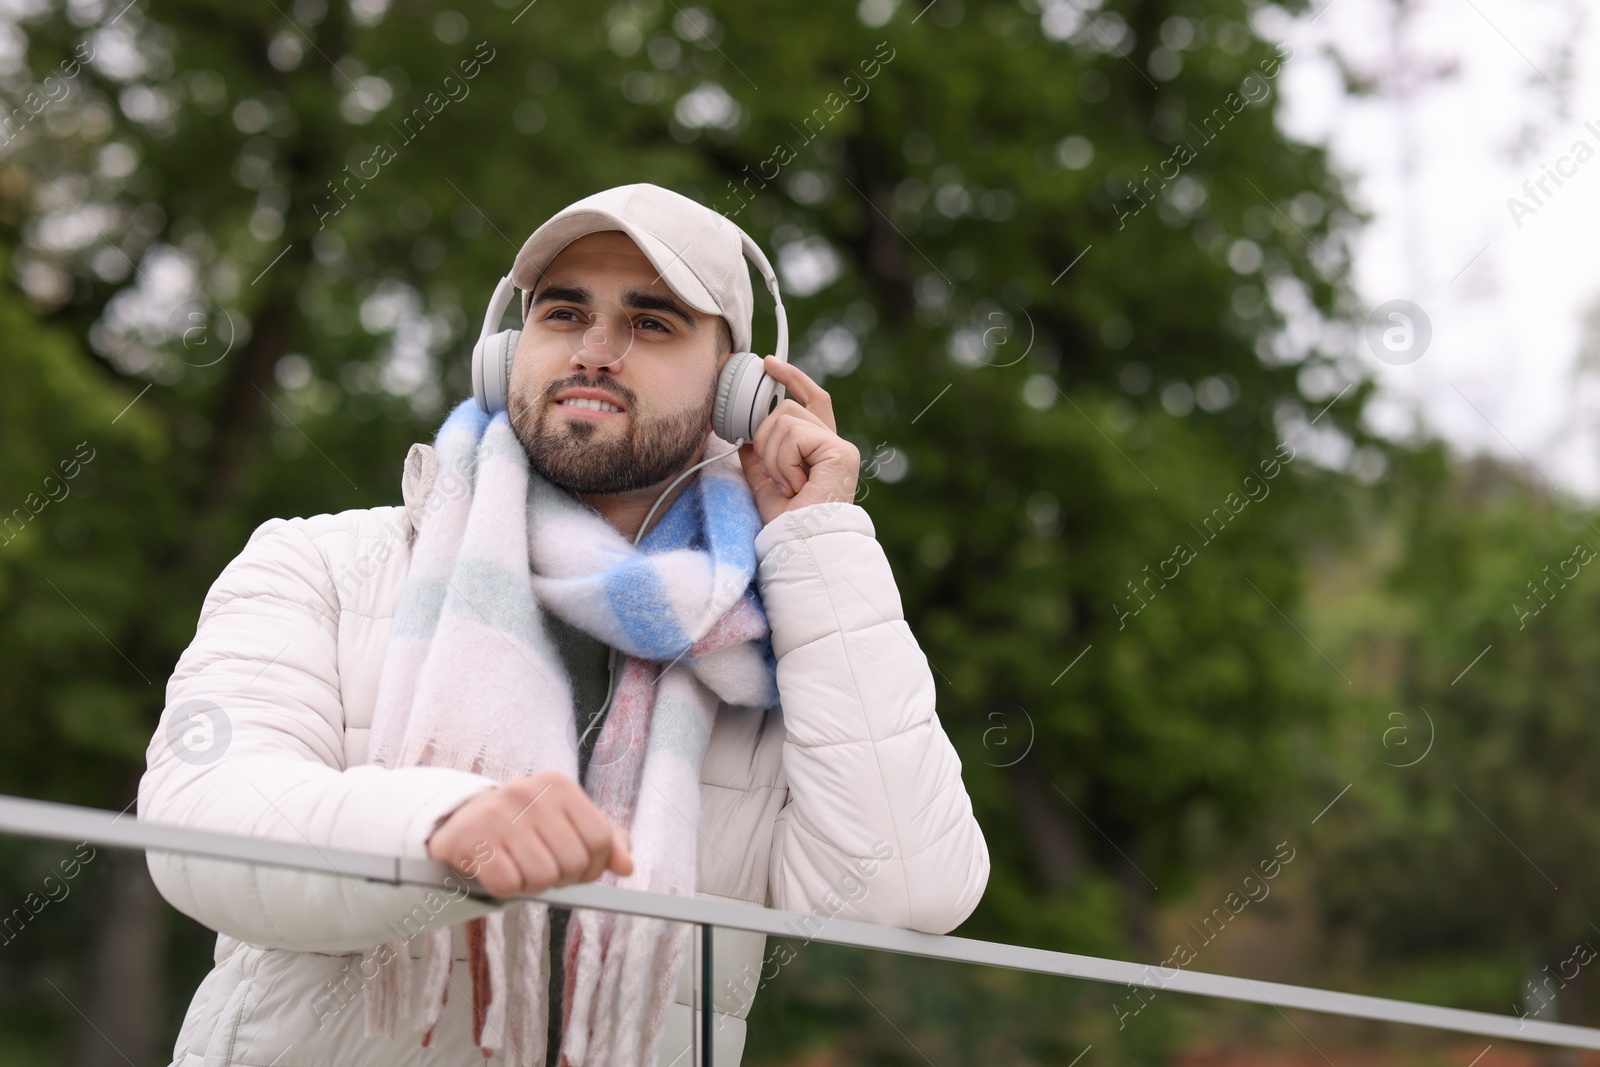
(638, 299)
(575, 294)
(641, 300)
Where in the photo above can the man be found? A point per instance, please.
(340, 660)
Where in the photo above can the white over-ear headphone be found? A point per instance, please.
(746, 394)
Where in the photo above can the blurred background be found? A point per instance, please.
(1225, 376)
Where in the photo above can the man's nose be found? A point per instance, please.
(605, 342)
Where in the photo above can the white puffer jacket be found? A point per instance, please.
(844, 800)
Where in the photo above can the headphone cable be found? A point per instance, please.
(611, 657)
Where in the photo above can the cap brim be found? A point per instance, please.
(547, 241)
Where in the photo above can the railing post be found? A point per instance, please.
(705, 994)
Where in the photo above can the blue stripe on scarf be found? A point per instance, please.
(714, 514)
(465, 418)
(640, 603)
(732, 522)
(680, 526)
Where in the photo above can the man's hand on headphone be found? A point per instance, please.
(529, 835)
(797, 457)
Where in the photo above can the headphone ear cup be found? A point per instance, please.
(723, 404)
(491, 369)
(745, 396)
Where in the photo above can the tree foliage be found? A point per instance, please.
(1070, 288)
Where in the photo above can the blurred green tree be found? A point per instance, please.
(1473, 810)
(1067, 282)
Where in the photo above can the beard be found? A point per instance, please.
(568, 452)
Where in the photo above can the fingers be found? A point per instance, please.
(595, 835)
(779, 451)
(530, 835)
(788, 406)
(499, 875)
(762, 486)
(768, 495)
(812, 398)
(784, 445)
(621, 860)
(784, 462)
(750, 460)
(568, 857)
(537, 868)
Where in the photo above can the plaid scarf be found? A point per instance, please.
(472, 681)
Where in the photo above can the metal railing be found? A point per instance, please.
(61, 822)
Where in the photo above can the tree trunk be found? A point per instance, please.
(1138, 907)
(1057, 855)
(123, 993)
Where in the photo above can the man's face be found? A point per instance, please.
(603, 321)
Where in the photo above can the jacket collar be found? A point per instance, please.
(422, 467)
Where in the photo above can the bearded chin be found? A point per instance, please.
(581, 457)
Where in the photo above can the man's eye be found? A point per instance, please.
(658, 323)
(559, 311)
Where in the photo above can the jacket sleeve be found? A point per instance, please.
(251, 742)
(877, 825)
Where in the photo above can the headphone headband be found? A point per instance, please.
(745, 392)
(752, 252)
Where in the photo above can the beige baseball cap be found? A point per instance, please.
(699, 253)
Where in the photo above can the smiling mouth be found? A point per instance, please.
(584, 407)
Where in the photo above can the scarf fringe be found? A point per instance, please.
(641, 944)
(605, 1000)
(437, 957)
(529, 1007)
(678, 938)
(583, 978)
(382, 992)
